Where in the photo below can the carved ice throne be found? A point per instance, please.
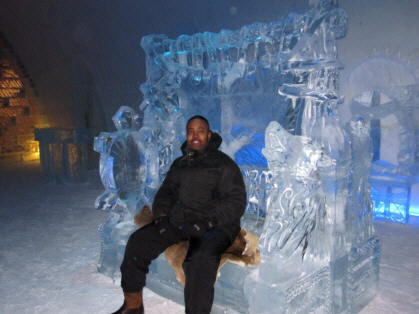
(307, 198)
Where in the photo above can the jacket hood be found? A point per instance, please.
(212, 145)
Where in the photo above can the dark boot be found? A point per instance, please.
(133, 304)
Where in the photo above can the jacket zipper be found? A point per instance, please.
(190, 154)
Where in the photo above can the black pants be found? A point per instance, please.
(200, 266)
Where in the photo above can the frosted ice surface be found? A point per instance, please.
(360, 210)
(271, 91)
(297, 218)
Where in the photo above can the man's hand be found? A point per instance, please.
(197, 229)
(165, 228)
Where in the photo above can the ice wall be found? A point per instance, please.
(271, 91)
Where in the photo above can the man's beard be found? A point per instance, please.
(196, 151)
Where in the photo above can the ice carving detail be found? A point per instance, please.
(297, 217)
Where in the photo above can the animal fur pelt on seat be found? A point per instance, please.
(244, 250)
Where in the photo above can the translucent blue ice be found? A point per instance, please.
(391, 183)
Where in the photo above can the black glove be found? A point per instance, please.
(165, 228)
(197, 229)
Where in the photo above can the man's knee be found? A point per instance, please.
(145, 244)
(201, 266)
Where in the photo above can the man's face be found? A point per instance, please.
(197, 134)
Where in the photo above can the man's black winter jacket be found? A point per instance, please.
(203, 186)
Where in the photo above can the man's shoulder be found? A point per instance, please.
(177, 159)
(223, 155)
(176, 163)
(225, 158)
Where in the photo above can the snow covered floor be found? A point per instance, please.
(49, 246)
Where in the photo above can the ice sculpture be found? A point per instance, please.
(270, 90)
(360, 212)
(297, 213)
(63, 153)
(392, 183)
(120, 170)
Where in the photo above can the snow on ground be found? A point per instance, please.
(49, 247)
